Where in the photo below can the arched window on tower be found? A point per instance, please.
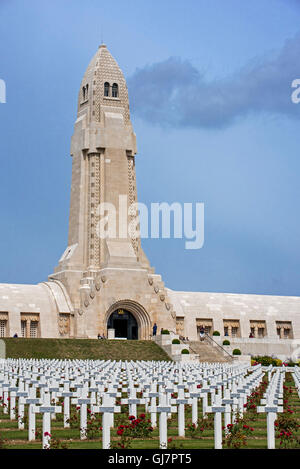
(85, 92)
(115, 90)
(106, 89)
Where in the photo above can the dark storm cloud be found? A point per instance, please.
(175, 93)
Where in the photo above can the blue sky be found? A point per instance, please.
(225, 132)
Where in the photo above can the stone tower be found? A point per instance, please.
(108, 278)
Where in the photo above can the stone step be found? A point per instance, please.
(207, 352)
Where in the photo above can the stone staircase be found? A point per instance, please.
(174, 350)
(207, 352)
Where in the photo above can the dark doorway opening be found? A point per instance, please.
(124, 323)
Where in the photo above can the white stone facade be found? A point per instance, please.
(273, 320)
(100, 282)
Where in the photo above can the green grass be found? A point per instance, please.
(92, 349)
(17, 439)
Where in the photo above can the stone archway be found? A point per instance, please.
(138, 312)
(124, 324)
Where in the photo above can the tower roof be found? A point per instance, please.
(102, 71)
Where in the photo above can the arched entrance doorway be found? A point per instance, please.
(124, 324)
(136, 318)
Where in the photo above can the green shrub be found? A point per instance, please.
(175, 341)
(265, 360)
(165, 331)
(226, 342)
(236, 351)
(185, 351)
(216, 333)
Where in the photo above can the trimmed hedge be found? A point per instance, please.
(185, 351)
(266, 361)
(236, 351)
(175, 341)
(216, 333)
(165, 331)
(226, 342)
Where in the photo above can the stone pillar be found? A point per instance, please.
(271, 328)
(14, 325)
(244, 327)
(218, 325)
(102, 198)
(28, 328)
(93, 242)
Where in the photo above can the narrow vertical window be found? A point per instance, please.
(106, 89)
(33, 329)
(3, 328)
(23, 328)
(115, 90)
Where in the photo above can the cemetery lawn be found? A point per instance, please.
(17, 439)
(85, 349)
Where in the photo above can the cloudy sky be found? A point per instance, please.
(210, 93)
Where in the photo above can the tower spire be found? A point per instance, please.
(105, 266)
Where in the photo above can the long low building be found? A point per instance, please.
(42, 310)
(256, 324)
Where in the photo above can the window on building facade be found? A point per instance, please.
(284, 329)
(85, 92)
(232, 327)
(23, 328)
(115, 90)
(33, 329)
(30, 325)
(258, 328)
(106, 89)
(3, 328)
(3, 324)
(206, 323)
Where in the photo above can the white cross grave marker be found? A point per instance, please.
(46, 409)
(271, 410)
(107, 408)
(163, 409)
